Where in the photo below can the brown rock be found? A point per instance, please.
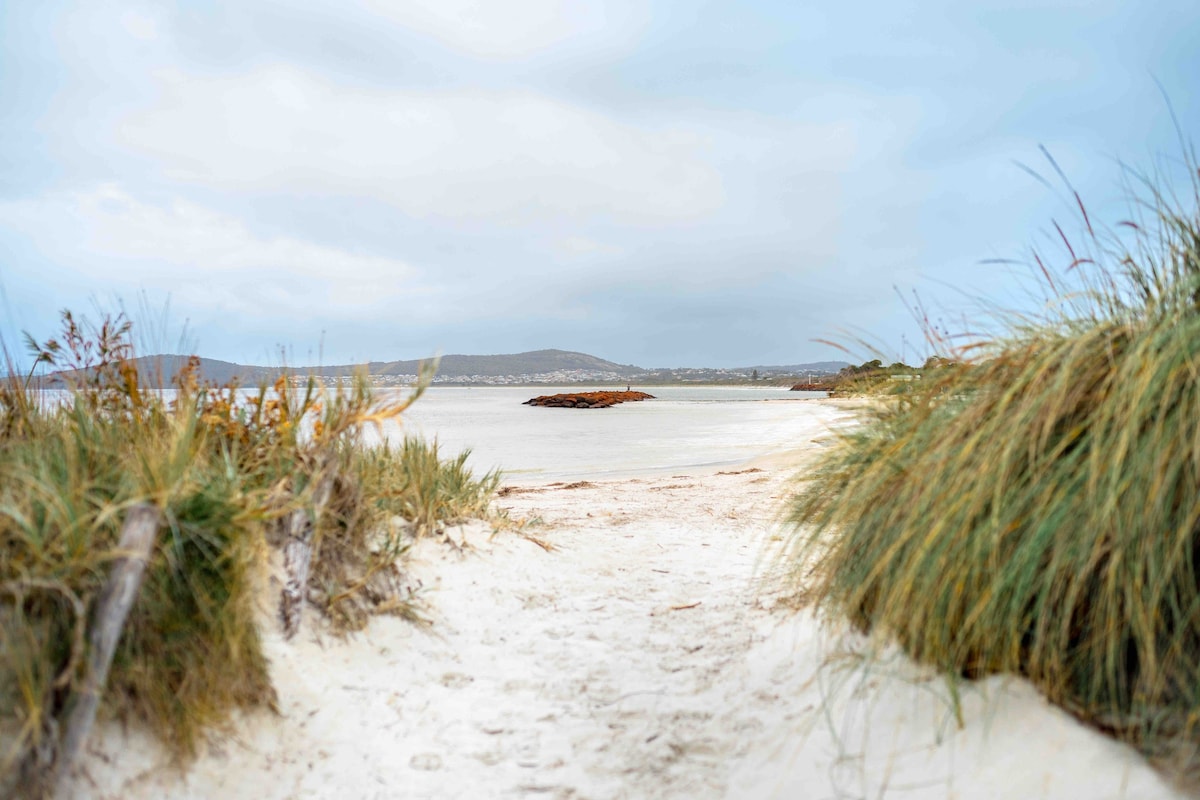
(587, 399)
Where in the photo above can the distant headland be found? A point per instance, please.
(533, 368)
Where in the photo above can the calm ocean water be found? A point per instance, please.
(683, 427)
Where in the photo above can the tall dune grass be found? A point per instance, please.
(1035, 509)
(225, 468)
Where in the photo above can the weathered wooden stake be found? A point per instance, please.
(108, 620)
(297, 554)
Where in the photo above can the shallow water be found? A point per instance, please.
(684, 427)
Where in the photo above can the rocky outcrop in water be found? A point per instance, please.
(587, 399)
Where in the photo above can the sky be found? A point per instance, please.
(656, 182)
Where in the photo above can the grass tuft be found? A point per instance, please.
(1034, 507)
(226, 467)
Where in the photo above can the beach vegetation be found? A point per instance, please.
(1031, 506)
(226, 469)
(874, 378)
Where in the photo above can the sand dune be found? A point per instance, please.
(638, 659)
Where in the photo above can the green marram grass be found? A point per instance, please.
(225, 468)
(431, 491)
(1034, 508)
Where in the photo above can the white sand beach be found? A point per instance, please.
(637, 659)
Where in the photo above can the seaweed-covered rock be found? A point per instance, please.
(587, 399)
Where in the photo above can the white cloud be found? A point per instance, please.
(140, 26)
(208, 259)
(510, 157)
(511, 160)
(584, 246)
(504, 30)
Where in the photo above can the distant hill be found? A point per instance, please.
(531, 363)
(535, 366)
(161, 369)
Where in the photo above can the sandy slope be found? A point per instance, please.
(635, 660)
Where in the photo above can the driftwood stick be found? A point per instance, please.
(112, 607)
(297, 553)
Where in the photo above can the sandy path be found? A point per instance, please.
(649, 626)
(635, 660)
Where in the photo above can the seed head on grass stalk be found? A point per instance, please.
(1036, 509)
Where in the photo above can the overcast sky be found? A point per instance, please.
(658, 182)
